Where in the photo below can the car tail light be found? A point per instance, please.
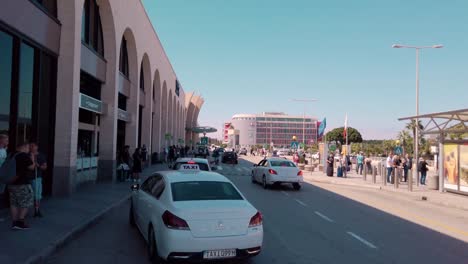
(271, 171)
(174, 222)
(256, 220)
(191, 162)
(299, 173)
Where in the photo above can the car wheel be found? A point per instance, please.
(296, 186)
(264, 182)
(152, 247)
(131, 216)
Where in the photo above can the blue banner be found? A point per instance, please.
(322, 127)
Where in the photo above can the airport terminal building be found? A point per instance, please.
(270, 127)
(84, 78)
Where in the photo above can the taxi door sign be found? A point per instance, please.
(189, 167)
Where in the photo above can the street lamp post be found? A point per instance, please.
(416, 134)
(305, 101)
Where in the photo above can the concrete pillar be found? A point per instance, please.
(68, 90)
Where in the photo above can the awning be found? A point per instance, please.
(455, 121)
(202, 129)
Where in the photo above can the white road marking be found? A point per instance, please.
(301, 202)
(285, 193)
(362, 240)
(324, 217)
(238, 169)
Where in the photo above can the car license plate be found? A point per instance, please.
(219, 254)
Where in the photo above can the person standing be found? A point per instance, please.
(137, 165)
(125, 160)
(21, 193)
(360, 163)
(144, 155)
(409, 166)
(389, 167)
(36, 183)
(423, 169)
(3, 155)
(330, 161)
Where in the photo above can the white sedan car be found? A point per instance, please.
(203, 164)
(196, 215)
(277, 171)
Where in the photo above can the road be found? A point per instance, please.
(313, 225)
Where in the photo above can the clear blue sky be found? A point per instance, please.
(250, 56)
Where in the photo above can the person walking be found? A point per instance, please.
(389, 166)
(330, 161)
(360, 163)
(423, 170)
(21, 193)
(125, 163)
(36, 183)
(137, 165)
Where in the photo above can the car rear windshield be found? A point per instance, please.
(204, 190)
(202, 166)
(280, 163)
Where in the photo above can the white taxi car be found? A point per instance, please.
(203, 164)
(201, 218)
(277, 171)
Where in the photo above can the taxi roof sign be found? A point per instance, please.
(189, 167)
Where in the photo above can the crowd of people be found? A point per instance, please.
(22, 183)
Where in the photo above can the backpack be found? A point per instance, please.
(8, 170)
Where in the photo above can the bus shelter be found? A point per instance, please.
(451, 129)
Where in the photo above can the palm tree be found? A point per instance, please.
(412, 126)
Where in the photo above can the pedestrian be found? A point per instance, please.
(136, 165)
(389, 166)
(3, 155)
(330, 161)
(360, 163)
(171, 154)
(144, 155)
(124, 166)
(21, 193)
(409, 166)
(396, 166)
(36, 183)
(404, 165)
(423, 170)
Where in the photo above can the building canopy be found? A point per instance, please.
(455, 121)
(203, 129)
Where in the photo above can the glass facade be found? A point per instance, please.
(281, 130)
(91, 28)
(123, 59)
(28, 79)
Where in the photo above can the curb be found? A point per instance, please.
(378, 187)
(67, 237)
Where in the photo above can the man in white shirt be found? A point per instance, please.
(389, 167)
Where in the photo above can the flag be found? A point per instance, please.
(322, 127)
(345, 130)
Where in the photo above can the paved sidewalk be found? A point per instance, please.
(64, 219)
(419, 192)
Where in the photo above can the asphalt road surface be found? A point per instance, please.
(309, 226)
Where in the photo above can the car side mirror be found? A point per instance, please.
(135, 187)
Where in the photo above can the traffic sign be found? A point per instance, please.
(332, 147)
(294, 144)
(204, 140)
(398, 150)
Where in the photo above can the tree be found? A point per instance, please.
(411, 126)
(337, 135)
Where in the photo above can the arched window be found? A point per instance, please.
(142, 78)
(123, 60)
(91, 28)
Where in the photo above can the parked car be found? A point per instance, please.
(202, 151)
(188, 218)
(229, 157)
(277, 171)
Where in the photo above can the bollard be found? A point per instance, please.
(410, 180)
(395, 177)
(383, 175)
(374, 172)
(364, 175)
